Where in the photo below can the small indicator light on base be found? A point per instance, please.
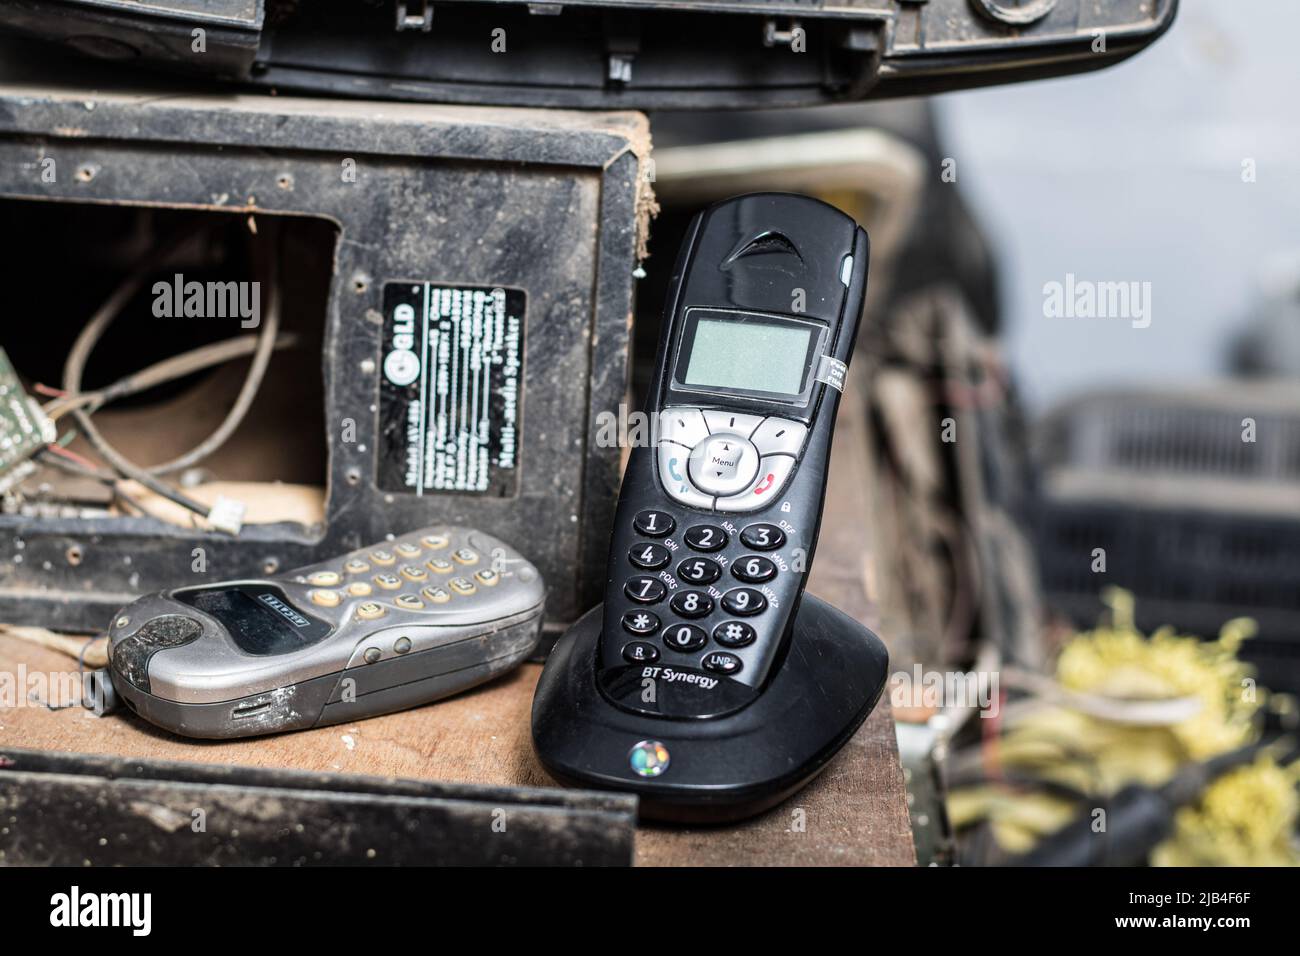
(649, 758)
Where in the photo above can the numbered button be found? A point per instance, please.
(383, 557)
(439, 565)
(734, 634)
(640, 622)
(408, 601)
(462, 585)
(685, 637)
(639, 652)
(413, 573)
(644, 589)
(389, 582)
(699, 571)
(654, 524)
(327, 579)
(435, 541)
(465, 555)
(370, 611)
(356, 566)
(706, 537)
(691, 604)
(408, 550)
(720, 662)
(762, 537)
(436, 595)
(753, 569)
(743, 602)
(652, 557)
(487, 577)
(326, 598)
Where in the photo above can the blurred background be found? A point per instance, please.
(1135, 173)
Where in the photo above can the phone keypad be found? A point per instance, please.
(697, 617)
(380, 573)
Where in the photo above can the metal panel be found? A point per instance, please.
(550, 203)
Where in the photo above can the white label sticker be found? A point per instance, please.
(832, 371)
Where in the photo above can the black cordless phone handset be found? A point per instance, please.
(718, 517)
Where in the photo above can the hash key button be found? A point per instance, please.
(720, 662)
(734, 634)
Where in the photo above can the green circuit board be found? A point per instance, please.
(23, 426)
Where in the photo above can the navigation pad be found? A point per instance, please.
(716, 459)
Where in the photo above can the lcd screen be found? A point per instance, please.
(749, 356)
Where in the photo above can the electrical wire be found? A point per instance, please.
(75, 364)
(168, 370)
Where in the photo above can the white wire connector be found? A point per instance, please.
(227, 515)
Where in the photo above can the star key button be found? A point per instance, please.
(640, 622)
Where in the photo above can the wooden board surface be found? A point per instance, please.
(851, 814)
(854, 813)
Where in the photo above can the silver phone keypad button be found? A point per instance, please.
(723, 464)
(773, 473)
(672, 473)
(779, 436)
(724, 421)
(682, 425)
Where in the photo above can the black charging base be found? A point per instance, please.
(721, 768)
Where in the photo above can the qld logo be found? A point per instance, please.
(402, 365)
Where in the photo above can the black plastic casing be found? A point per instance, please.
(727, 768)
(763, 253)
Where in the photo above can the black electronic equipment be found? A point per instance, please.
(611, 54)
(701, 632)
